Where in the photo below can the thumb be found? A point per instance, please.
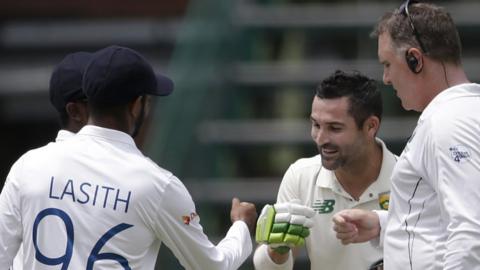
(235, 202)
(344, 216)
(353, 215)
(338, 219)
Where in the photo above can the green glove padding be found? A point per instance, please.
(282, 226)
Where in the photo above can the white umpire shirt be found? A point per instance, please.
(434, 216)
(95, 202)
(319, 188)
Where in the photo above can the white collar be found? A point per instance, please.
(107, 134)
(461, 90)
(63, 135)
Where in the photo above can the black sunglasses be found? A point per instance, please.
(404, 11)
(378, 265)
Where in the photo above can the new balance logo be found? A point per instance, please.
(323, 206)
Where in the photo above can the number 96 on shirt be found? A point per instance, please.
(65, 258)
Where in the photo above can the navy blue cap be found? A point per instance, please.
(117, 75)
(66, 80)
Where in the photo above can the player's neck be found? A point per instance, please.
(109, 122)
(359, 175)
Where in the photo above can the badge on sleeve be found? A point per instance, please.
(460, 153)
(189, 218)
(383, 200)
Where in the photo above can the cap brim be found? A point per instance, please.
(165, 86)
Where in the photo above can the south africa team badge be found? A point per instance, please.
(383, 200)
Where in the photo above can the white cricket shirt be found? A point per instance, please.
(63, 135)
(95, 202)
(434, 215)
(319, 188)
(18, 260)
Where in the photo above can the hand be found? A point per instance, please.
(356, 225)
(283, 226)
(244, 211)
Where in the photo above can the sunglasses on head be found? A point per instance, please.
(404, 11)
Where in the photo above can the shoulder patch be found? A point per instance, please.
(460, 153)
(189, 218)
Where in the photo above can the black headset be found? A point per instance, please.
(412, 61)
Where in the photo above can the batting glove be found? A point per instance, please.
(283, 226)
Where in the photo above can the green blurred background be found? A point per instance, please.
(245, 74)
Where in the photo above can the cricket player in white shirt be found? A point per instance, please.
(67, 97)
(433, 222)
(352, 170)
(66, 93)
(95, 202)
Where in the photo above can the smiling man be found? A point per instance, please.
(352, 170)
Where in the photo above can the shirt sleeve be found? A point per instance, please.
(10, 218)
(288, 190)
(262, 260)
(382, 218)
(178, 225)
(453, 160)
(289, 187)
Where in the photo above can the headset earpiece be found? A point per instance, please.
(412, 62)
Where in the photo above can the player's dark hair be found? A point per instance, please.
(363, 93)
(435, 28)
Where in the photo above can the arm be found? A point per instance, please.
(266, 258)
(356, 225)
(10, 219)
(18, 261)
(176, 223)
(382, 216)
(453, 161)
(281, 227)
(279, 258)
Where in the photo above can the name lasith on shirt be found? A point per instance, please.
(90, 194)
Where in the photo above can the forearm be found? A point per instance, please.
(189, 243)
(278, 258)
(238, 236)
(462, 254)
(267, 259)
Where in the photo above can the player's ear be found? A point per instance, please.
(77, 112)
(414, 59)
(371, 126)
(135, 106)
